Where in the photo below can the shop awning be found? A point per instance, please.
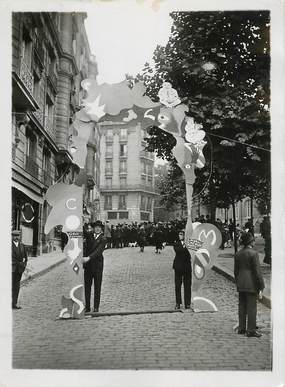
(32, 195)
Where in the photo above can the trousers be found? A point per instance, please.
(186, 279)
(90, 277)
(247, 311)
(16, 279)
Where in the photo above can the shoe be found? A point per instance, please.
(241, 331)
(16, 307)
(187, 307)
(87, 310)
(177, 306)
(253, 334)
(95, 310)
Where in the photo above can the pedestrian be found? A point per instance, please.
(158, 239)
(93, 263)
(265, 231)
(182, 271)
(107, 234)
(250, 285)
(19, 263)
(141, 238)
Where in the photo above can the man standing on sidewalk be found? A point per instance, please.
(93, 264)
(250, 285)
(19, 263)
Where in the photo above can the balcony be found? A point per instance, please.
(128, 188)
(123, 155)
(107, 206)
(109, 155)
(123, 138)
(109, 139)
(39, 115)
(123, 170)
(26, 76)
(47, 179)
(122, 207)
(32, 167)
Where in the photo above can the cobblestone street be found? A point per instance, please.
(135, 281)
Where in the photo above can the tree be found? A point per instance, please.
(219, 64)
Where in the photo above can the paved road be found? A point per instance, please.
(135, 281)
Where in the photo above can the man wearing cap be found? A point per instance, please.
(93, 263)
(250, 285)
(19, 263)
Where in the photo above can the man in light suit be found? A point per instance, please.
(19, 263)
(93, 262)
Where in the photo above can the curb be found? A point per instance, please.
(44, 271)
(266, 301)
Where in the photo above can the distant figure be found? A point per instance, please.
(107, 234)
(182, 272)
(19, 263)
(141, 239)
(265, 231)
(249, 284)
(158, 239)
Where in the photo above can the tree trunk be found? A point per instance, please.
(235, 230)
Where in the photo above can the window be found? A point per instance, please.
(31, 149)
(143, 180)
(123, 166)
(49, 110)
(149, 203)
(143, 202)
(37, 85)
(149, 181)
(143, 165)
(122, 202)
(123, 150)
(27, 48)
(124, 134)
(247, 207)
(109, 135)
(109, 166)
(149, 169)
(112, 215)
(123, 182)
(108, 182)
(109, 150)
(145, 216)
(124, 215)
(108, 202)
(237, 210)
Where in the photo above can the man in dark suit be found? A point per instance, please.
(19, 263)
(183, 272)
(93, 262)
(249, 283)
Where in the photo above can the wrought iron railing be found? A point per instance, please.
(49, 127)
(32, 167)
(39, 50)
(128, 187)
(26, 76)
(39, 115)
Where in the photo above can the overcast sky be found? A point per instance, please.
(124, 38)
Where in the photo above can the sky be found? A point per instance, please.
(124, 38)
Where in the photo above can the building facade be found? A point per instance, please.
(50, 57)
(127, 174)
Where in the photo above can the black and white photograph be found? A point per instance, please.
(143, 165)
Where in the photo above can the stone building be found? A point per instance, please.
(127, 174)
(50, 57)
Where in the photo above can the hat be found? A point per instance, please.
(16, 232)
(247, 238)
(98, 223)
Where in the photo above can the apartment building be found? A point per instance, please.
(50, 58)
(126, 174)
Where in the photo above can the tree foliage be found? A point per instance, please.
(219, 64)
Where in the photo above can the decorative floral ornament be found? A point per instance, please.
(168, 96)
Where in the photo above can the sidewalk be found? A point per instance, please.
(225, 266)
(41, 264)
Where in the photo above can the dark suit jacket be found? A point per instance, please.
(182, 260)
(19, 258)
(247, 271)
(94, 250)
